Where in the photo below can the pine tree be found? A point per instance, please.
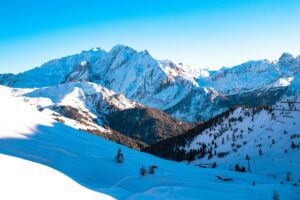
(151, 169)
(191, 156)
(119, 157)
(243, 169)
(143, 171)
(293, 145)
(237, 168)
(214, 165)
(210, 154)
(288, 176)
(275, 195)
(248, 158)
(260, 152)
(233, 137)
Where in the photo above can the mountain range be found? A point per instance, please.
(173, 88)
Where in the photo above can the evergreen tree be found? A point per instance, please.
(243, 169)
(233, 137)
(214, 165)
(119, 157)
(288, 176)
(209, 155)
(293, 145)
(151, 169)
(275, 195)
(260, 152)
(237, 168)
(143, 171)
(248, 160)
(191, 156)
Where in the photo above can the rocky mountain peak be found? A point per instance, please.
(286, 59)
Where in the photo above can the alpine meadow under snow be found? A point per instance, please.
(120, 124)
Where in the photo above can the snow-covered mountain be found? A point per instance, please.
(254, 75)
(27, 133)
(52, 72)
(187, 94)
(269, 135)
(91, 107)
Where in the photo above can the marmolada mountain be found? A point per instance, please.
(129, 126)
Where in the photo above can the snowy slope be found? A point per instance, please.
(268, 135)
(85, 96)
(22, 179)
(89, 160)
(272, 133)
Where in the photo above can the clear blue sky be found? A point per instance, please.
(201, 33)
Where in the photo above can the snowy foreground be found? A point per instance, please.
(89, 160)
(21, 179)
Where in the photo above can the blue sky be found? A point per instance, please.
(203, 33)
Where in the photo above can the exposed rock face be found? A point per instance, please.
(7, 79)
(81, 72)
